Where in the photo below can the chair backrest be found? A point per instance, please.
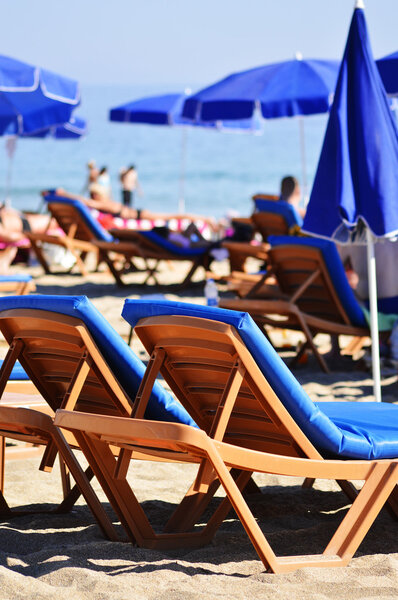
(270, 409)
(71, 353)
(73, 216)
(328, 295)
(275, 218)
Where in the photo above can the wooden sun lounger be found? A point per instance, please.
(17, 285)
(77, 361)
(149, 247)
(306, 296)
(244, 427)
(78, 238)
(270, 217)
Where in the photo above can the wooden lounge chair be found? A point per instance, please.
(150, 246)
(80, 230)
(269, 218)
(275, 218)
(253, 417)
(18, 283)
(316, 296)
(77, 361)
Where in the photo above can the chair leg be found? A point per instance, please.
(2, 461)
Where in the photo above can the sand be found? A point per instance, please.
(66, 557)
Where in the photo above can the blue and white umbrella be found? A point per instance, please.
(290, 88)
(356, 184)
(388, 69)
(74, 129)
(32, 98)
(166, 109)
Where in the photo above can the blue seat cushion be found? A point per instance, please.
(279, 207)
(17, 373)
(173, 248)
(335, 269)
(345, 437)
(17, 277)
(99, 233)
(126, 366)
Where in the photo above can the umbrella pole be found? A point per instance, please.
(303, 161)
(374, 329)
(181, 198)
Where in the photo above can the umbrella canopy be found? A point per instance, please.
(356, 183)
(284, 89)
(32, 98)
(388, 69)
(166, 109)
(152, 110)
(75, 128)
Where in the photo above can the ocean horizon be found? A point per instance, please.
(222, 169)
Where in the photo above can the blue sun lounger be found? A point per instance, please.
(275, 218)
(76, 360)
(253, 416)
(317, 296)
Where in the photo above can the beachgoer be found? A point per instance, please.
(13, 228)
(104, 180)
(130, 183)
(291, 193)
(93, 173)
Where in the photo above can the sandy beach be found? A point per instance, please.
(66, 556)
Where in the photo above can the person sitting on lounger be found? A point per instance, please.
(13, 225)
(291, 193)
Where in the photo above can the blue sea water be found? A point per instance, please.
(223, 170)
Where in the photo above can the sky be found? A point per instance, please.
(182, 42)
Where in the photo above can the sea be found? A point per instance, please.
(215, 172)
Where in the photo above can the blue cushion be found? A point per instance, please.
(279, 207)
(345, 437)
(127, 367)
(171, 247)
(335, 269)
(17, 373)
(99, 233)
(17, 277)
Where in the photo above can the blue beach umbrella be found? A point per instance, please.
(166, 109)
(32, 98)
(388, 69)
(290, 88)
(74, 129)
(356, 184)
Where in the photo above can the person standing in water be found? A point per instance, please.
(130, 184)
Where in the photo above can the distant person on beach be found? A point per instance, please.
(130, 184)
(92, 176)
(291, 193)
(104, 180)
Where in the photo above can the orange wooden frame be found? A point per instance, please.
(244, 428)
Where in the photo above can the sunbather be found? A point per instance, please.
(13, 225)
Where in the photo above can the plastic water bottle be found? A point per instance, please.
(211, 293)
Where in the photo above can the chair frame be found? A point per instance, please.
(77, 376)
(244, 428)
(305, 280)
(132, 244)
